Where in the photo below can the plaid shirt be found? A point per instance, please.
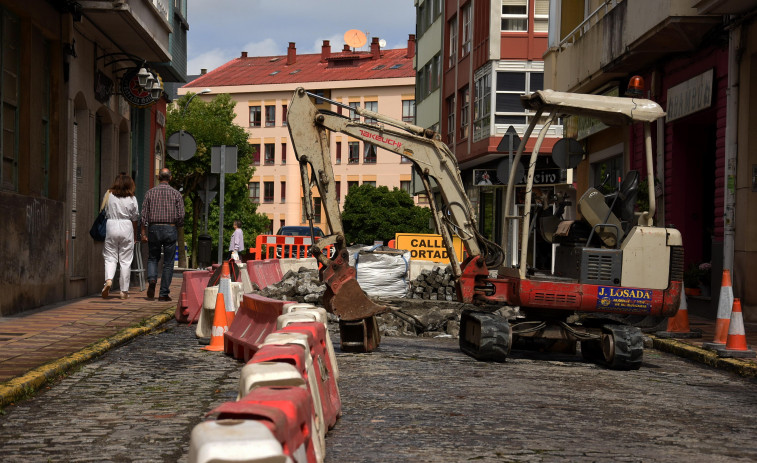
(163, 204)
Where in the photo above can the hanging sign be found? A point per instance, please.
(132, 92)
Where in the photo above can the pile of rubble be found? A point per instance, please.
(300, 286)
(437, 284)
(431, 316)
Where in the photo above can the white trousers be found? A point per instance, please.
(119, 248)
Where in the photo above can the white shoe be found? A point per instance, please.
(124, 295)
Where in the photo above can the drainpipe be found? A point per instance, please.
(731, 145)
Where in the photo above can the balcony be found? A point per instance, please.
(141, 27)
(621, 38)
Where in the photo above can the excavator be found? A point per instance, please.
(610, 263)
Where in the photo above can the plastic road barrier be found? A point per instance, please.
(235, 440)
(294, 349)
(314, 314)
(330, 398)
(255, 319)
(191, 295)
(268, 374)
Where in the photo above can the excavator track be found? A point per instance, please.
(621, 347)
(485, 336)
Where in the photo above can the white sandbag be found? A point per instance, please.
(383, 271)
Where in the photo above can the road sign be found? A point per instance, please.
(181, 145)
(230, 159)
(510, 141)
(427, 246)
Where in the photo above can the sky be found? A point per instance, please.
(220, 30)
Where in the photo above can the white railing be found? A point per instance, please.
(590, 21)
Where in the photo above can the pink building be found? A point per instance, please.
(262, 86)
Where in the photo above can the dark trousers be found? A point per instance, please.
(161, 238)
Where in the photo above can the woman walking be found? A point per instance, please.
(123, 214)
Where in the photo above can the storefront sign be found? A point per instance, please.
(132, 92)
(690, 96)
(427, 246)
(542, 176)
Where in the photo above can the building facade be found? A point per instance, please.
(490, 54)
(379, 80)
(697, 59)
(74, 115)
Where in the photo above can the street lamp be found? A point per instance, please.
(201, 92)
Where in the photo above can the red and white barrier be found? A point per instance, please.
(234, 440)
(191, 296)
(268, 374)
(255, 319)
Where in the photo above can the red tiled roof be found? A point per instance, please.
(342, 65)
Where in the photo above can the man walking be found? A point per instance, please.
(162, 214)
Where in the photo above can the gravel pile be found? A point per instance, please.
(437, 284)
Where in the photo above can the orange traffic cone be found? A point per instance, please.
(736, 346)
(219, 326)
(725, 304)
(224, 287)
(678, 325)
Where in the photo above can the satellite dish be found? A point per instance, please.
(567, 153)
(382, 43)
(354, 38)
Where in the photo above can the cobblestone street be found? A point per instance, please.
(415, 399)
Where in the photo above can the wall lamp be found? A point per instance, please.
(141, 88)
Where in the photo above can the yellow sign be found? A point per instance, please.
(427, 246)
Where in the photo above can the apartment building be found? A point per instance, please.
(74, 115)
(490, 53)
(697, 58)
(262, 86)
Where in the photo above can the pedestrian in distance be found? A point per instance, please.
(162, 214)
(122, 211)
(236, 245)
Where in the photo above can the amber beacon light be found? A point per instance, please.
(635, 87)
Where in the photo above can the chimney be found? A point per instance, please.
(244, 54)
(325, 51)
(411, 46)
(203, 71)
(346, 47)
(375, 48)
(291, 54)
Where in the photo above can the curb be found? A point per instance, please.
(706, 357)
(34, 379)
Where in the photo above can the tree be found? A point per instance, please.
(212, 124)
(377, 214)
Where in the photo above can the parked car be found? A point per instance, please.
(297, 230)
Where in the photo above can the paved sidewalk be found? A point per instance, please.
(39, 345)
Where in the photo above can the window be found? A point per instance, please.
(464, 112)
(408, 111)
(255, 192)
(612, 167)
(371, 106)
(422, 198)
(541, 16)
(317, 210)
(354, 115)
(451, 120)
(510, 86)
(270, 116)
(515, 15)
(369, 153)
(395, 66)
(270, 154)
(283, 153)
(267, 192)
(284, 115)
(351, 184)
(254, 116)
(452, 41)
(338, 190)
(466, 34)
(283, 192)
(338, 152)
(354, 152)
(10, 27)
(405, 186)
(482, 106)
(255, 155)
(371, 183)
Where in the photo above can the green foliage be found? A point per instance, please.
(376, 214)
(212, 124)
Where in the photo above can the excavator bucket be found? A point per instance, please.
(344, 296)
